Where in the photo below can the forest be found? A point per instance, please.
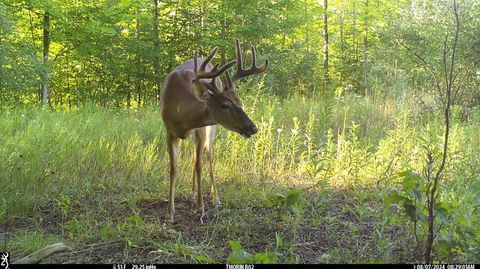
(367, 149)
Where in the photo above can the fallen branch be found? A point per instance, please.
(43, 253)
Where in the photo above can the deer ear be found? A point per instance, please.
(206, 95)
(202, 90)
(199, 90)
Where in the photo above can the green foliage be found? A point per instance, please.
(104, 52)
(410, 192)
(239, 256)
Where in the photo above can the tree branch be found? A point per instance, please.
(425, 64)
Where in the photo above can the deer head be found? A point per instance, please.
(224, 105)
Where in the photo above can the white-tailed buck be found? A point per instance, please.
(193, 100)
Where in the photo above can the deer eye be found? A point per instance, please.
(225, 106)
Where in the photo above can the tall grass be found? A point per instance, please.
(44, 154)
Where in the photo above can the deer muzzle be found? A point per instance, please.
(249, 131)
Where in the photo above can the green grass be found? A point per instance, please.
(311, 186)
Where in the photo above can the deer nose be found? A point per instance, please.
(253, 129)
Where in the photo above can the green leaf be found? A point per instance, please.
(415, 194)
(411, 210)
(239, 256)
(292, 197)
(105, 233)
(134, 219)
(266, 257)
(442, 212)
(131, 244)
(422, 217)
(235, 245)
(204, 259)
(444, 247)
(278, 240)
(276, 199)
(410, 180)
(395, 198)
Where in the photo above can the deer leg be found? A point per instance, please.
(195, 176)
(173, 146)
(198, 168)
(210, 134)
(213, 190)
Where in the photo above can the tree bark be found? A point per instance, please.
(46, 52)
(365, 60)
(355, 34)
(138, 58)
(307, 34)
(156, 48)
(342, 36)
(202, 28)
(325, 44)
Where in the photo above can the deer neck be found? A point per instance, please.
(199, 117)
(204, 117)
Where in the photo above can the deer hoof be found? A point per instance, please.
(199, 209)
(194, 196)
(170, 217)
(217, 209)
(214, 198)
(216, 202)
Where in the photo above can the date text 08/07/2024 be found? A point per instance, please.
(444, 266)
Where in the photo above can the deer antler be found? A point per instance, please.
(215, 72)
(241, 73)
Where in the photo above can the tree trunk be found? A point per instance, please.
(342, 37)
(354, 31)
(138, 59)
(202, 28)
(156, 49)
(46, 52)
(307, 36)
(325, 43)
(365, 60)
(129, 97)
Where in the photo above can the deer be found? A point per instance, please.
(193, 101)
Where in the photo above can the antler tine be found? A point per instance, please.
(238, 50)
(226, 66)
(230, 85)
(195, 58)
(209, 58)
(212, 84)
(241, 73)
(214, 69)
(264, 66)
(215, 72)
(254, 56)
